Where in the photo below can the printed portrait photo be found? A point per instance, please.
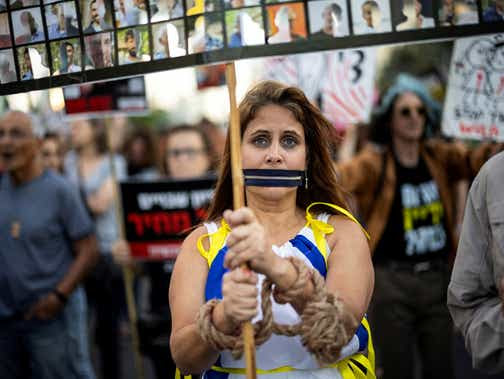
(7, 67)
(61, 20)
(328, 19)
(457, 12)
(412, 14)
(195, 7)
(162, 10)
(133, 45)
(3, 5)
(5, 37)
(130, 12)
(286, 23)
(27, 26)
(371, 16)
(244, 27)
(33, 62)
(169, 39)
(66, 56)
(493, 10)
(229, 4)
(99, 50)
(206, 33)
(96, 15)
(16, 4)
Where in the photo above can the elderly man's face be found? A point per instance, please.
(18, 144)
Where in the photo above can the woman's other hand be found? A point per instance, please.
(239, 300)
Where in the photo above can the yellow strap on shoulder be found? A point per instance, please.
(320, 228)
(179, 376)
(216, 242)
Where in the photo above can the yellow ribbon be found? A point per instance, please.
(179, 376)
(216, 242)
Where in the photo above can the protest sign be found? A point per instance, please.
(158, 215)
(474, 106)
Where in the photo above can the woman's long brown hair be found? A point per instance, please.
(322, 179)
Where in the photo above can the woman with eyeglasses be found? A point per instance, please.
(187, 153)
(403, 185)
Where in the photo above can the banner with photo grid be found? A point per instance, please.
(47, 43)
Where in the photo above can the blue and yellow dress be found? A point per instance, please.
(284, 357)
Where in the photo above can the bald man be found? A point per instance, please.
(47, 247)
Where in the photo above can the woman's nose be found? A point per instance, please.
(274, 156)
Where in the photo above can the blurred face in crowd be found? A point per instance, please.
(186, 155)
(274, 139)
(408, 117)
(81, 133)
(499, 4)
(138, 151)
(18, 144)
(51, 157)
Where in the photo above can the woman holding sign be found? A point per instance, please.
(318, 260)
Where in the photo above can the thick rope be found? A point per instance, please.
(325, 325)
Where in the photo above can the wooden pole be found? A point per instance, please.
(127, 272)
(239, 201)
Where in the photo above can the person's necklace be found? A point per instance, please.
(15, 229)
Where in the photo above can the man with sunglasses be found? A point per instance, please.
(403, 187)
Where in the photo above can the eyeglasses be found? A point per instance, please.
(189, 152)
(407, 112)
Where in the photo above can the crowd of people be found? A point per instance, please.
(307, 239)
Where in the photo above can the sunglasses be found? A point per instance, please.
(407, 112)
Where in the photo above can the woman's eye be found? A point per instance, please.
(289, 142)
(260, 141)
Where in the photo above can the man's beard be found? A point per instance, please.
(132, 53)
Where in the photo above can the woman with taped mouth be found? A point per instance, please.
(308, 257)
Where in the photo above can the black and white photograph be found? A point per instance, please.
(245, 27)
(66, 56)
(133, 45)
(130, 12)
(206, 33)
(99, 50)
(28, 27)
(163, 10)
(169, 39)
(61, 19)
(7, 67)
(96, 16)
(328, 19)
(32, 62)
(371, 16)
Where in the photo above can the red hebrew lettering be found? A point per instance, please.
(137, 220)
(201, 214)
